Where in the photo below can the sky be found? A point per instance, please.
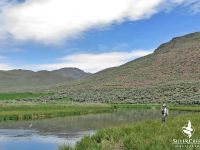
(89, 34)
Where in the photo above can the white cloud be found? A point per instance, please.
(95, 62)
(52, 21)
(5, 66)
(55, 20)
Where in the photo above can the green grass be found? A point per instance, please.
(12, 96)
(194, 108)
(136, 106)
(148, 135)
(29, 111)
(41, 111)
(32, 110)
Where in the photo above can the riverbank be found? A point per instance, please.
(33, 111)
(30, 111)
(151, 135)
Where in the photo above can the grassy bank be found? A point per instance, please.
(148, 135)
(29, 111)
(191, 108)
(41, 111)
(136, 106)
(194, 108)
(32, 110)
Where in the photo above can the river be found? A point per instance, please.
(48, 134)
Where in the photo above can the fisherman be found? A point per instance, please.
(164, 113)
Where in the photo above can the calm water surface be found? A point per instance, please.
(48, 134)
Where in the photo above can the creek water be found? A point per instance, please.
(48, 134)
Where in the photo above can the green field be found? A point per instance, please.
(148, 135)
(13, 96)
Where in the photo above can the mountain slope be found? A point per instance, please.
(16, 80)
(173, 66)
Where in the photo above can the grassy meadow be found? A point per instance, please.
(147, 135)
(13, 96)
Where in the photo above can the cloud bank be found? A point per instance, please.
(5, 66)
(95, 62)
(89, 62)
(51, 21)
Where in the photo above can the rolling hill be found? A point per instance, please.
(170, 74)
(17, 80)
(73, 73)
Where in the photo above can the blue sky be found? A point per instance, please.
(89, 42)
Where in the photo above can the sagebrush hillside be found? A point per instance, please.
(171, 73)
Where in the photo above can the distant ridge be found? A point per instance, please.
(74, 73)
(16, 80)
